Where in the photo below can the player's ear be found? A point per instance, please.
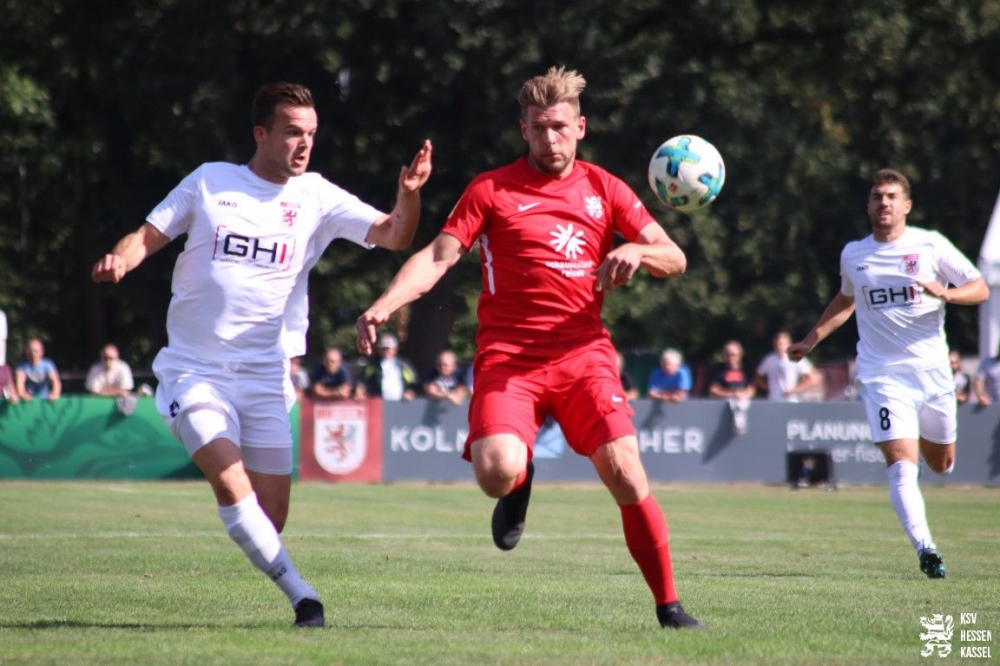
(259, 134)
(582, 125)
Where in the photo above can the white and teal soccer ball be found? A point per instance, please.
(686, 173)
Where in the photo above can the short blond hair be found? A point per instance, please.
(555, 86)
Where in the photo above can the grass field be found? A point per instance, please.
(143, 573)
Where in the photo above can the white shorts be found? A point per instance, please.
(246, 403)
(911, 405)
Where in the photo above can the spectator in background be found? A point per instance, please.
(628, 384)
(963, 383)
(446, 381)
(110, 376)
(3, 338)
(389, 377)
(784, 379)
(8, 388)
(36, 376)
(731, 381)
(332, 379)
(671, 382)
(986, 383)
(299, 376)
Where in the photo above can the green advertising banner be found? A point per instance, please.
(81, 437)
(85, 437)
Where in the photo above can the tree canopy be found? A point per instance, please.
(106, 106)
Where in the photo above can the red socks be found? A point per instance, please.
(647, 538)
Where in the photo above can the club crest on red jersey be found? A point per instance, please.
(594, 207)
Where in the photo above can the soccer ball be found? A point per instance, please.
(686, 173)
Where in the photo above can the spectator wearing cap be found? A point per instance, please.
(388, 377)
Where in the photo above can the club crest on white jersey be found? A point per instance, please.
(910, 264)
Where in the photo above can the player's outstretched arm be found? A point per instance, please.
(652, 249)
(836, 313)
(395, 231)
(416, 277)
(128, 253)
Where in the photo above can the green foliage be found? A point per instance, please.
(106, 107)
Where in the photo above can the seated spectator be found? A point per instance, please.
(731, 381)
(986, 383)
(332, 380)
(36, 376)
(110, 376)
(784, 379)
(671, 382)
(299, 376)
(388, 377)
(8, 388)
(963, 383)
(628, 384)
(446, 381)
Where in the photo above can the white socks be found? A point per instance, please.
(253, 532)
(904, 493)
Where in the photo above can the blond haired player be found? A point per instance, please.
(545, 226)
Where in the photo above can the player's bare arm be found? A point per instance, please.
(128, 253)
(972, 292)
(395, 231)
(652, 249)
(416, 277)
(837, 312)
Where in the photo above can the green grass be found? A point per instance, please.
(143, 573)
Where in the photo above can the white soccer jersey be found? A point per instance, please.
(900, 327)
(783, 374)
(247, 253)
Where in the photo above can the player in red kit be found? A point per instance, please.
(545, 227)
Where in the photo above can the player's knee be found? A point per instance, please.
(498, 466)
(496, 481)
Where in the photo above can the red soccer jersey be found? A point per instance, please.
(540, 240)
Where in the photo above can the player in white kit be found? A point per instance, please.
(253, 233)
(897, 282)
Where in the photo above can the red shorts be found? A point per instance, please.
(582, 391)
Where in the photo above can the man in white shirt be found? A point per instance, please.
(110, 376)
(784, 380)
(253, 231)
(896, 281)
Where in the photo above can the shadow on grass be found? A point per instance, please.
(74, 624)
